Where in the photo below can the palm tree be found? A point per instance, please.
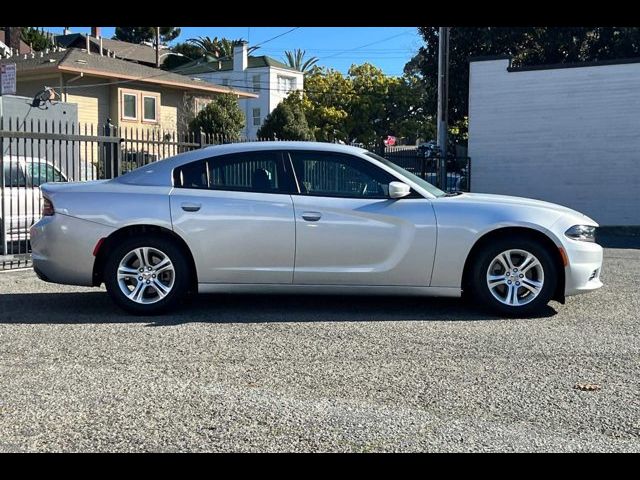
(296, 60)
(215, 47)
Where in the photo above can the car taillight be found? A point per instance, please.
(47, 208)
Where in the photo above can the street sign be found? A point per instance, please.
(8, 79)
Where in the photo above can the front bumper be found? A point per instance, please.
(62, 248)
(582, 275)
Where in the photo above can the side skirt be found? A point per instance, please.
(328, 289)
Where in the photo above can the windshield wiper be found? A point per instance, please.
(452, 194)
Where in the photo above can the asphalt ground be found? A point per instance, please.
(305, 373)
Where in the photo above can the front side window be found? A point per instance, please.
(150, 106)
(248, 172)
(256, 83)
(256, 117)
(41, 172)
(130, 106)
(337, 175)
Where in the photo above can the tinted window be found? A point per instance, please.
(249, 172)
(191, 175)
(14, 175)
(338, 175)
(41, 172)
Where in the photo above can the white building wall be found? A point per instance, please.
(566, 135)
(268, 96)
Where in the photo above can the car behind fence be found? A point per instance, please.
(36, 152)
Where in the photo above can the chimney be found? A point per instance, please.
(66, 31)
(12, 37)
(240, 59)
(95, 32)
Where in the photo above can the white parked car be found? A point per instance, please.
(304, 217)
(21, 196)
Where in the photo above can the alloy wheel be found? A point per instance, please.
(146, 275)
(515, 277)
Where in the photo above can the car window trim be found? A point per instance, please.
(285, 188)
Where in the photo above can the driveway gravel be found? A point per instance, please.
(286, 373)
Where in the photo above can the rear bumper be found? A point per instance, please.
(582, 275)
(62, 249)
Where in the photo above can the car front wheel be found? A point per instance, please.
(146, 276)
(514, 277)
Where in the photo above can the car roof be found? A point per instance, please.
(284, 145)
(157, 171)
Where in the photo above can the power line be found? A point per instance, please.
(369, 44)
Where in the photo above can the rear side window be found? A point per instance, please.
(191, 175)
(41, 172)
(261, 172)
(14, 175)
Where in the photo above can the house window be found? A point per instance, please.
(256, 117)
(200, 104)
(129, 106)
(149, 108)
(256, 83)
(286, 84)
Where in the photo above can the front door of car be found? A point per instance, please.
(236, 215)
(348, 230)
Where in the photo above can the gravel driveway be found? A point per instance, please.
(256, 373)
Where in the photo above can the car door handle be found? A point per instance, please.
(311, 216)
(190, 207)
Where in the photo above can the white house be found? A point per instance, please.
(270, 79)
(568, 134)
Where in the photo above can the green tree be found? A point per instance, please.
(146, 34)
(36, 39)
(526, 46)
(326, 103)
(295, 59)
(287, 121)
(185, 53)
(222, 116)
(365, 105)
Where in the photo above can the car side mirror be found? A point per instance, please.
(399, 190)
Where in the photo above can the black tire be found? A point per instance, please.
(181, 275)
(480, 291)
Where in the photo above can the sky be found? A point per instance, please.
(388, 48)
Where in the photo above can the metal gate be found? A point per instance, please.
(35, 152)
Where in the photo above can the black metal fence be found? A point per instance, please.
(35, 152)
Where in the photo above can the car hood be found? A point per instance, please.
(509, 201)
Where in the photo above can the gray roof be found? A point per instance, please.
(128, 51)
(76, 60)
(214, 65)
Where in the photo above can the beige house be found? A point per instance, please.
(106, 88)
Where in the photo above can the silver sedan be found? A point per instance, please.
(307, 217)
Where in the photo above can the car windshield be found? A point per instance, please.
(436, 192)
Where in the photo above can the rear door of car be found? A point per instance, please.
(236, 214)
(348, 230)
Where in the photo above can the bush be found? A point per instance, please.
(221, 117)
(286, 122)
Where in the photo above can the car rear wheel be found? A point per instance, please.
(514, 276)
(147, 276)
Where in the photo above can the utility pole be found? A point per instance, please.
(443, 101)
(157, 47)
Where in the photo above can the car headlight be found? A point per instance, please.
(585, 233)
